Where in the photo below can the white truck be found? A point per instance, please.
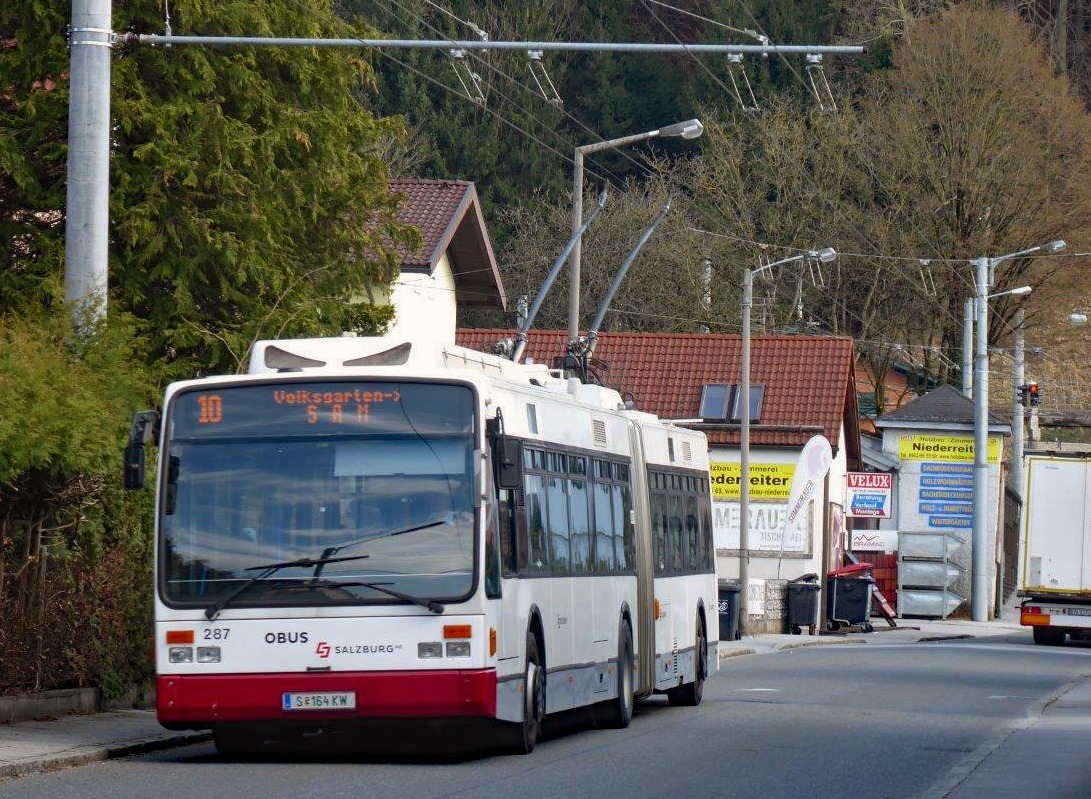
(1055, 568)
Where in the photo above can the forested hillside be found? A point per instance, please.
(962, 131)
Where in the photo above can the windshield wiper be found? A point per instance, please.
(430, 604)
(324, 558)
(270, 568)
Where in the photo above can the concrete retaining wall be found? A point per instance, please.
(50, 704)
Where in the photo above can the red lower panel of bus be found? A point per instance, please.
(202, 699)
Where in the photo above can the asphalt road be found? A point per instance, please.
(870, 721)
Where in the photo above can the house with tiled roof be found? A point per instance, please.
(801, 386)
(931, 440)
(454, 266)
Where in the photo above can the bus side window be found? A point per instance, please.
(604, 528)
(708, 550)
(538, 548)
(675, 548)
(623, 504)
(579, 513)
(559, 529)
(693, 536)
(659, 531)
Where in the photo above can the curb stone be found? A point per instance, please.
(91, 754)
(798, 644)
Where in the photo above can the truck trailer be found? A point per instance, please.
(1055, 569)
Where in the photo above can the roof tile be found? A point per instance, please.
(809, 380)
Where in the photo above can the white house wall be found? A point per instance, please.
(424, 302)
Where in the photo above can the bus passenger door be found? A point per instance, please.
(510, 628)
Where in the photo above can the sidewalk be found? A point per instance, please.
(908, 631)
(73, 740)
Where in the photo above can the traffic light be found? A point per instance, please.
(1032, 394)
(1023, 395)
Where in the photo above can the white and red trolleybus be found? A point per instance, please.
(359, 529)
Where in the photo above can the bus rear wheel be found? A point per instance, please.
(691, 694)
(619, 711)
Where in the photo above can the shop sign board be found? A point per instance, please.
(868, 494)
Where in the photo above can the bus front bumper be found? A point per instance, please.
(199, 700)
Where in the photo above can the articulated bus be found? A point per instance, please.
(360, 530)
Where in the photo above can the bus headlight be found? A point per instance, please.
(458, 649)
(181, 654)
(208, 654)
(430, 649)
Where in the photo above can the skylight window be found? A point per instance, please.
(714, 398)
(721, 402)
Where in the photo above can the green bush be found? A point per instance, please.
(75, 549)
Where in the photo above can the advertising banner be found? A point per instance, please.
(948, 449)
(769, 482)
(814, 462)
(867, 494)
(873, 540)
(768, 532)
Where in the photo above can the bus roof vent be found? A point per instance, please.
(687, 452)
(395, 356)
(598, 432)
(276, 358)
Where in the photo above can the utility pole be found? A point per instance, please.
(706, 293)
(979, 545)
(968, 348)
(88, 200)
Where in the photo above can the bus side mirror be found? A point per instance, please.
(506, 454)
(134, 466)
(508, 474)
(145, 428)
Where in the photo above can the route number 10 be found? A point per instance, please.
(212, 409)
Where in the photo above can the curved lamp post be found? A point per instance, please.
(690, 129)
(979, 599)
(825, 256)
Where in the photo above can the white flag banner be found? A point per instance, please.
(814, 462)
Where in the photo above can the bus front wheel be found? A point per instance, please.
(524, 736)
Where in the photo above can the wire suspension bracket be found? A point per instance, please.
(541, 78)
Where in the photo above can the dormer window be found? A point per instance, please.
(722, 402)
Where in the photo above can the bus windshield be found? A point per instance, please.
(273, 473)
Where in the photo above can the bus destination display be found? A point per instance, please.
(323, 408)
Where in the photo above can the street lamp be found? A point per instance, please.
(979, 542)
(825, 256)
(690, 129)
(968, 337)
